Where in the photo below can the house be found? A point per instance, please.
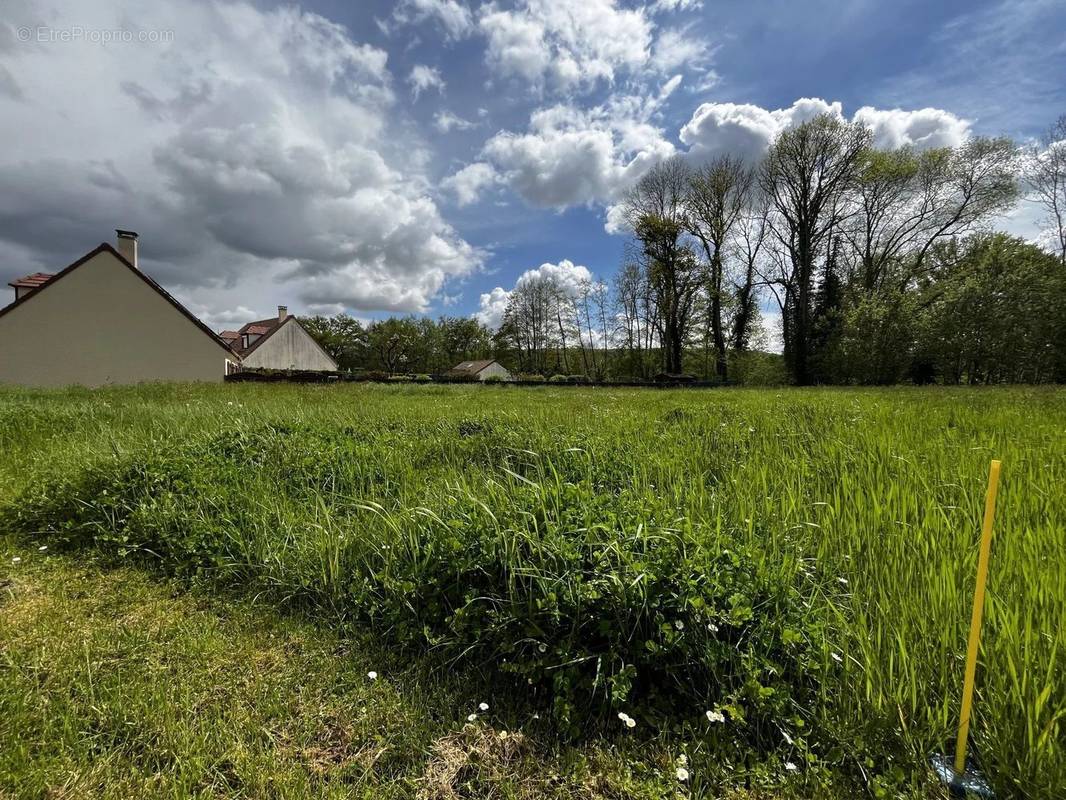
(479, 370)
(280, 342)
(100, 321)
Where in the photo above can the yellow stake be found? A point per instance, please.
(975, 621)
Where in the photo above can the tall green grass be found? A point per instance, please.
(802, 561)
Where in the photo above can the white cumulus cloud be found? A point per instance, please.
(423, 77)
(567, 275)
(257, 153)
(454, 17)
(468, 183)
(565, 44)
(748, 130)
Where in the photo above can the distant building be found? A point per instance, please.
(101, 320)
(481, 370)
(280, 342)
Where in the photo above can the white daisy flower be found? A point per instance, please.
(16, 560)
(42, 548)
(372, 675)
(790, 766)
(471, 718)
(837, 658)
(483, 706)
(715, 716)
(682, 774)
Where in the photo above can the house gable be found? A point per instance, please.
(288, 346)
(103, 321)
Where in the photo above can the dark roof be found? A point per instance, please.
(472, 367)
(105, 247)
(31, 281)
(227, 335)
(265, 328)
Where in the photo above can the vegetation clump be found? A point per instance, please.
(774, 576)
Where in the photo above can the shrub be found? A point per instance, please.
(493, 379)
(558, 379)
(625, 610)
(372, 375)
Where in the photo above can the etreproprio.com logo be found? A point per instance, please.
(78, 33)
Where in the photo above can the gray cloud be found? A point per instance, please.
(259, 156)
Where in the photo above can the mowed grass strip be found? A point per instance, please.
(852, 518)
(116, 683)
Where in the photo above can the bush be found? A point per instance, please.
(627, 611)
(372, 375)
(493, 379)
(532, 377)
(558, 379)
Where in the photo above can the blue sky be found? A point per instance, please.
(414, 157)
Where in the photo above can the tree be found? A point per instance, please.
(341, 336)
(391, 342)
(907, 201)
(635, 317)
(530, 324)
(994, 312)
(718, 194)
(461, 339)
(655, 211)
(827, 321)
(807, 175)
(747, 245)
(1046, 172)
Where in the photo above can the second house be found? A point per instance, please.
(280, 342)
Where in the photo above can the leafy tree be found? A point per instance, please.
(994, 312)
(807, 175)
(342, 336)
(392, 343)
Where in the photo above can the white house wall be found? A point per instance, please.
(494, 370)
(289, 347)
(100, 324)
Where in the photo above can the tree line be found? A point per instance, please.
(880, 265)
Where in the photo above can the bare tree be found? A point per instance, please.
(718, 194)
(655, 211)
(1046, 172)
(747, 245)
(529, 323)
(807, 175)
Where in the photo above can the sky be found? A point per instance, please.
(422, 156)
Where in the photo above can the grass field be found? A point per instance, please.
(775, 584)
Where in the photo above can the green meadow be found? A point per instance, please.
(736, 593)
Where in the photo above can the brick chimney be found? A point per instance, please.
(283, 313)
(127, 245)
